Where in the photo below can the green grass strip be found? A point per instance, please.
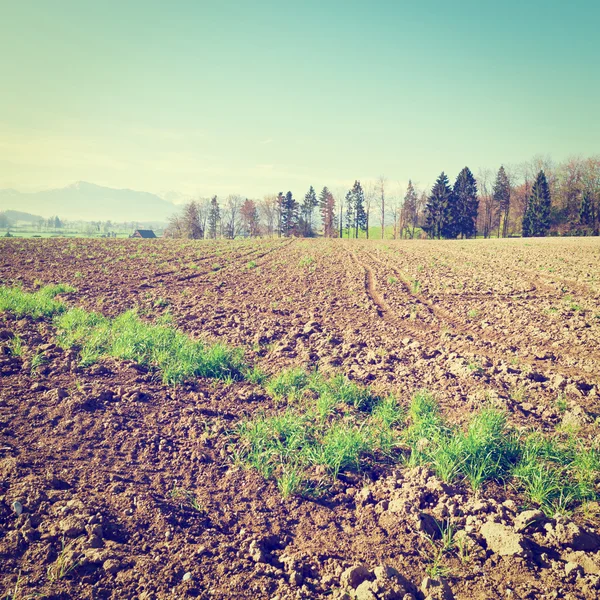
(329, 425)
(41, 303)
(156, 345)
(553, 473)
(160, 346)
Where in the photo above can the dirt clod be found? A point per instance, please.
(502, 540)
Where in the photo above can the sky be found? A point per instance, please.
(195, 98)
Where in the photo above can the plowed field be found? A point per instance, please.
(130, 488)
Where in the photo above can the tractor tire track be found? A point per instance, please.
(478, 342)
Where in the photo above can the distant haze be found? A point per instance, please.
(89, 202)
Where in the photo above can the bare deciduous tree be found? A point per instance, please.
(488, 217)
(370, 196)
(231, 217)
(381, 184)
(268, 209)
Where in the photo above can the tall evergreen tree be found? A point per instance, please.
(536, 221)
(466, 204)
(214, 215)
(437, 206)
(450, 217)
(308, 207)
(410, 208)
(360, 216)
(289, 217)
(327, 209)
(350, 212)
(501, 196)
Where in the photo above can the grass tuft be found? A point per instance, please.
(552, 473)
(41, 303)
(288, 385)
(159, 346)
(329, 426)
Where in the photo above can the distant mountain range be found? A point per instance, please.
(84, 201)
(15, 216)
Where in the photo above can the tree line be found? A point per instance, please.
(535, 199)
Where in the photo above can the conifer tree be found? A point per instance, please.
(410, 208)
(360, 215)
(308, 207)
(501, 196)
(350, 212)
(289, 216)
(214, 215)
(450, 217)
(437, 206)
(327, 209)
(536, 220)
(465, 205)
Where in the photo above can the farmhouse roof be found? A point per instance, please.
(144, 233)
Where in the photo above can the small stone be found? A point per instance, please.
(72, 527)
(528, 518)
(503, 540)
(436, 589)
(96, 530)
(95, 542)
(187, 576)
(367, 590)
(111, 566)
(354, 576)
(296, 578)
(383, 572)
(570, 535)
(590, 563)
(17, 507)
(572, 567)
(257, 552)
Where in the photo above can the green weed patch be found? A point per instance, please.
(554, 474)
(41, 303)
(157, 345)
(328, 426)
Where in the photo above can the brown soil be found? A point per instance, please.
(96, 456)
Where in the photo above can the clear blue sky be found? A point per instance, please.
(257, 97)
